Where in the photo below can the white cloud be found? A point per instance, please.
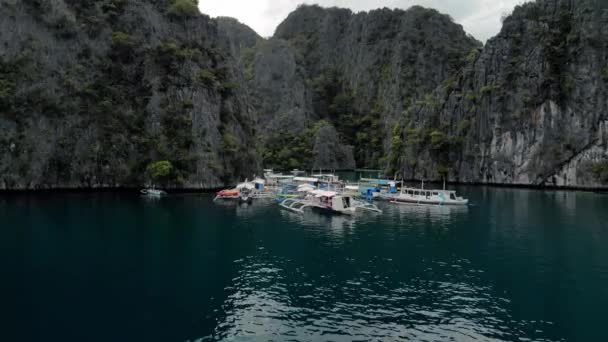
(481, 18)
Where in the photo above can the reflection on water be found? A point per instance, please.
(425, 214)
(273, 299)
(336, 226)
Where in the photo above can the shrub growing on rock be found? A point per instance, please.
(184, 8)
(160, 171)
(600, 171)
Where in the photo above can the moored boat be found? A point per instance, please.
(328, 201)
(153, 192)
(426, 197)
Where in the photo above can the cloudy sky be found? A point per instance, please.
(481, 18)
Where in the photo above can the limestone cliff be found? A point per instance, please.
(356, 72)
(530, 108)
(93, 91)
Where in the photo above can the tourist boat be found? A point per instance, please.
(328, 201)
(297, 172)
(329, 181)
(424, 196)
(306, 180)
(275, 180)
(153, 192)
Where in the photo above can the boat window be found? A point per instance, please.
(435, 193)
(452, 196)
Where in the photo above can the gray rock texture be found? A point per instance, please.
(93, 91)
(531, 108)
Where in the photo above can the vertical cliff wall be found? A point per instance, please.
(529, 108)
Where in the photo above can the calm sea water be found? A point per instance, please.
(517, 265)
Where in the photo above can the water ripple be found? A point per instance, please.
(267, 301)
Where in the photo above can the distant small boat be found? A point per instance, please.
(153, 192)
(245, 196)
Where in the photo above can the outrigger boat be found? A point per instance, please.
(328, 201)
(424, 197)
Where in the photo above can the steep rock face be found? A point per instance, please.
(93, 91)
(530, 108)
(357, 72)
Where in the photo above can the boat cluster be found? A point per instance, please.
(326, 192)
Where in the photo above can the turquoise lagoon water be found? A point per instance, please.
(516, 265)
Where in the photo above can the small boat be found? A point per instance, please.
(228, 194)
(245, 196)
(153, 192)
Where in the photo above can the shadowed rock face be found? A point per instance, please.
(357, 72)
(92, 92)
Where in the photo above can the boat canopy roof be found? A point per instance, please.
(351, 187)
(306, 179)
(259, 181)
(305, 187)
(430, 190)
(380, 181)
(323, 193)
(279, 176)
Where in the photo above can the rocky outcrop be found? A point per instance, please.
(93, 91)
(529, 109)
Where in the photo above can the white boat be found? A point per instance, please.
(425, 197)
(306, 180)
(328, 201)
(297, 172)
(153, 192)
(276, 179)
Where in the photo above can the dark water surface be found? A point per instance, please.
(517, 265)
